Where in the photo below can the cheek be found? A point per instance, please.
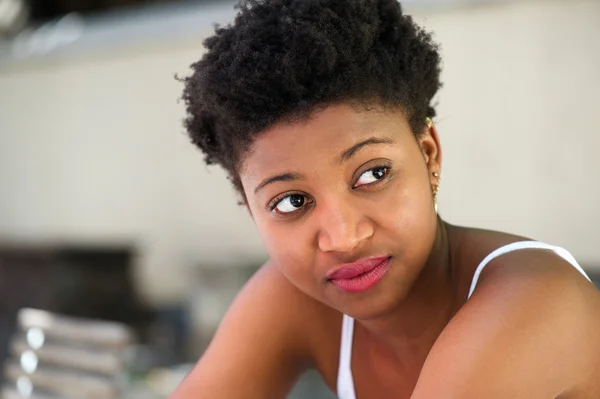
(290, 248)
(408, 218)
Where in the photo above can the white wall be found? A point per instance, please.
(92, 147)
(95, 150)
(519, 117)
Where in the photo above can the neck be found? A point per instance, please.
(412, 328)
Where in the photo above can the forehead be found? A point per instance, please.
(322, 136)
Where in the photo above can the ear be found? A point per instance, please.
(429, 142)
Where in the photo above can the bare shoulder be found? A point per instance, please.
(315, 328)
(268, 337)
(529, 330)
(311, 324)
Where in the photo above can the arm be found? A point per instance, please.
(260, 348)
(527, 332)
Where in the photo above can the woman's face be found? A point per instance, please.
(343, 203)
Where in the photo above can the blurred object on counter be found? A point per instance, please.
(49, 9)
(217, 286)
(14, 15)
(85, 281)
(167, 342)
(55, 355)
(163, 381)
(42, 324)
(169, 336)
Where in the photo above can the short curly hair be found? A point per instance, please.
(281, 60)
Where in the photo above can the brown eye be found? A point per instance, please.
(290, 204)
(379, 173)
(372, 176)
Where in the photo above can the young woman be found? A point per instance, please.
(320, 111)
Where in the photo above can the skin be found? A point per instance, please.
(529, 330)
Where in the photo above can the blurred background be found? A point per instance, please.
(108, 213)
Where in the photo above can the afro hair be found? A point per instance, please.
(283, 59)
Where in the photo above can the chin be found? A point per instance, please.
(370, 307)
(366, 313)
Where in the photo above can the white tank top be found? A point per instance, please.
(345, 382)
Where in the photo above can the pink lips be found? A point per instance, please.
(360, 276)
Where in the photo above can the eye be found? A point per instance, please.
(290, 203)
(371, 176)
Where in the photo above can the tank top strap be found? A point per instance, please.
(516, 246)
(345, 382)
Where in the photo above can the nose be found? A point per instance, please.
(343, 226)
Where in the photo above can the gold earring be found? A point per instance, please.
(428, 122)
(434, 189)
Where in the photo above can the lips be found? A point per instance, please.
(360, 276)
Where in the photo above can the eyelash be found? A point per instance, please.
(386, 166)
(277, 200)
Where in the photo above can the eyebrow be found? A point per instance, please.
(350, 152)
(344, 156)
(277, 178)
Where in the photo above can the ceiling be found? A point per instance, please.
(44, 10)
(60, 26)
